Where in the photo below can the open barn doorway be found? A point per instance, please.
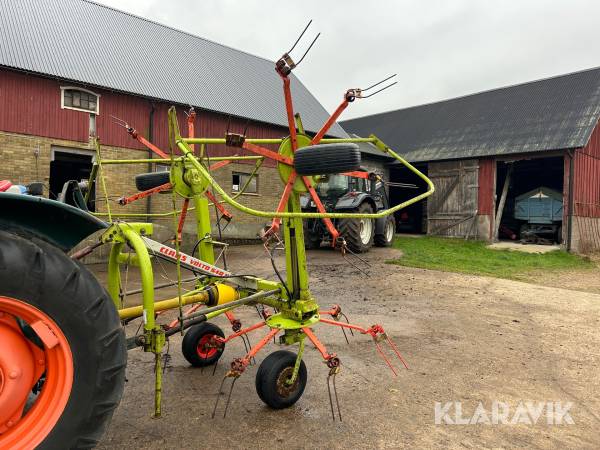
(405, 185)
(530, 210)
(70, 164)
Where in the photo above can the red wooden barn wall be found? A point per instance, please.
(30, 104)
(486, 194)
(586, 179)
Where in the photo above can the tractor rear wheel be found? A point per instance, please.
(358, 233)
(63, 372)
(387, 237)
(273, 376)
(198, 346)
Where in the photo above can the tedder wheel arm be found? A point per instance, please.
(183, 145)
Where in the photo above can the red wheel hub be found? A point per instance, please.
(21, 366)
(207, 346)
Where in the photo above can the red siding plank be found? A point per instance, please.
(487, 175)
(586, 179)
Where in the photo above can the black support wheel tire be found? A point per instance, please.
(66, 328)
(199, 346)
(326, 159)
(358, 233)
(272, 380)
(386, 238)
(145, 181)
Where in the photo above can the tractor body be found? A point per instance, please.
(341, 193)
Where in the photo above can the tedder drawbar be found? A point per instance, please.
(63, 358)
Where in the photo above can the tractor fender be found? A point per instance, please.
(59, 224)
(353, 200)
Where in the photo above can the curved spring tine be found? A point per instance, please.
(299, 37)
(215, 367)
(379, 82)
(337, 401)
(308, 49)
(212, 416)
(331, 376)
(229, 397)
(382, 89)
(119, 121)
(345, 336)
(348, 322)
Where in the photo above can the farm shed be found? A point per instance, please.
(68, 66)
(541, 134)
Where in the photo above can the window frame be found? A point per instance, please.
(255, 176)
(74, 108)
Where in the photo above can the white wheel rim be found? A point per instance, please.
(366, 229)
(389, 231)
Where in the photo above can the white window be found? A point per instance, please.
(79, 99)
(239, 180)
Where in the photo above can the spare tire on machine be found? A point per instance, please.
(326, 159)
(145, 181)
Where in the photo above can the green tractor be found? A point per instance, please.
(360, 192)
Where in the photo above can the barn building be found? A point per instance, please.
(539, 138)
(68, 68)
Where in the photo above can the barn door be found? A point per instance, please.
(452, 209)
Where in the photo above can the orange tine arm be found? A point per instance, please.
(267, 153)
(282, 203)
(218, 204)
(149, 145)
(328, 223)
(289, 109)
(328, 124)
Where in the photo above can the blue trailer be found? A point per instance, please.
(542, 211)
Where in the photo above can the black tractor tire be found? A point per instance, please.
(352, 229)
(386, 238)
(145, 181)
(42, 276)
(194, 342)
(312, 240)
(326, 159)
(270, 377)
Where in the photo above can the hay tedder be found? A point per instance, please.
(63, 347)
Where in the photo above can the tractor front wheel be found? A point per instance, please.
(273, 380)
(387, 237)
(63, 356)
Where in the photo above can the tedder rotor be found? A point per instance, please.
(47, 337)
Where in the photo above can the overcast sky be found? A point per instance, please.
(440, 49)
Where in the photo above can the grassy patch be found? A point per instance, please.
(473, 257)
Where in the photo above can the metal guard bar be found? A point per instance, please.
(182, 143)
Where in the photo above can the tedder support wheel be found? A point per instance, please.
(272, 380)
(198, 346)
(145, 181)
(358, 233)
(63, 353)
(326, 159)
(387, 237)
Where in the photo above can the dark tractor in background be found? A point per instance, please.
(341, 193)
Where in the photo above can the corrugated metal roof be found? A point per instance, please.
(550, 114)
(97, 45)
